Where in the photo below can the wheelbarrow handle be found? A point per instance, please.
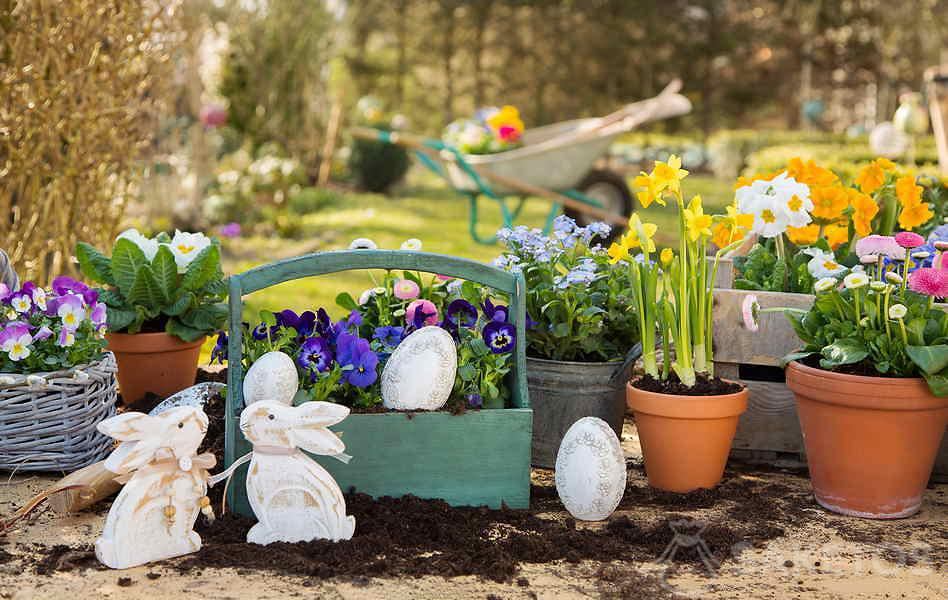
(399, 138)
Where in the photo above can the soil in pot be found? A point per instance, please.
(155, 363)
(871, 442)
(686, 435)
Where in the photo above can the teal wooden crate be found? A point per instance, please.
(479, 458)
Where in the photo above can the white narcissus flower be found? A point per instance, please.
(856, 280)
(186, 246)
(825, 284)
(897, 311)
(411, 244)
(823, 263)
(148, 246)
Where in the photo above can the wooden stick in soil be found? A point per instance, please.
(83, 488)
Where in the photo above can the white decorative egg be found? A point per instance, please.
(590, 470)
(273, 376)
(420, 373)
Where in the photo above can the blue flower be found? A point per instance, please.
(389, 336)
(497, 312)
(304, 324)
(324, 325)
(219, 353)
(939, 234)
(363, 362)
(595, 230)
(259, 332)
(345, 344)
(531, 324)
(500, 337)
(564, 224)
(461, 312)
(315, 355)
(475, 400)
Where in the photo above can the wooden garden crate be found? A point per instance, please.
(479, 458)
(769, 431)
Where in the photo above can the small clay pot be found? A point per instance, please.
(154, 362)
(871, 442)
(685, 439)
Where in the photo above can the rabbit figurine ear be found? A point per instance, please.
(140, 437)
(311, 433)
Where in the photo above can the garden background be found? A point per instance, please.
(231, 115)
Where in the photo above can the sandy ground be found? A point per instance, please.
(811, 561)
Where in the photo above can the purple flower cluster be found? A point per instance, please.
(45, 323)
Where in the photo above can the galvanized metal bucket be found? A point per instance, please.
(563, 392)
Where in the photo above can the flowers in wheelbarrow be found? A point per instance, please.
(491, 130)
(506, 124)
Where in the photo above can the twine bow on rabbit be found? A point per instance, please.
(165, 486)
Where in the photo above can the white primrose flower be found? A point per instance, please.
(856, 280)
(186, 246)
(148, 246)
(776, 204)
(897, 311)
(825, 284)
(411, 244)
(823, 263)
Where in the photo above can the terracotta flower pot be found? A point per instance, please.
(153, 362)
(685, 439)
(870, 442)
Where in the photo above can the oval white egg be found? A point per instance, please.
(590, 470)
(272, 377)
(420, 373)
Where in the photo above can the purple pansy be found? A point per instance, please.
(390, 336)
(67, 285)
(219, 353)
(99, 315)
(475, 401)
(365, 362)
(499, 337)
(315, 355)
(495, 312)
(461, 312)
(259, 332)
(304, 323)
(43, 333)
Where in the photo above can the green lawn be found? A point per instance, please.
(423, 209)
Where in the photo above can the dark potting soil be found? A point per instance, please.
(704, 386)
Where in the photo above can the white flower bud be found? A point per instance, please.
(897, 311)
(893, 277)
(825, 284)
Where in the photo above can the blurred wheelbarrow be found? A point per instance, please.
(554, 163)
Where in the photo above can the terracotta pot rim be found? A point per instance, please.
(148, 343)
(673, 406)
(900, 393)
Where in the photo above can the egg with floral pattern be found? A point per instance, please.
(590, 470)
(271, 377)
(420, 373)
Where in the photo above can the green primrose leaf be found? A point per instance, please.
(205, 267)
(843, 352)
(127, 259)
(145, 290)
(789, 358)
(93, 264)
(166, 273)
(930, 359)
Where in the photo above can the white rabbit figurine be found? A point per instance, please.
(165, 486)
(294, 498)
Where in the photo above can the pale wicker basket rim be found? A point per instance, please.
(20, 378)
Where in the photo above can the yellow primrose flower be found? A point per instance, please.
(731, 227)
(632, 239)
(668, 175)
(865, 210)
(914, 215)
(649, 192)
(872, 176)
(836, 235)
(810, 173)
(804, 236)
(667, 256)
(829, 202)
(907, 191)
(696, 222)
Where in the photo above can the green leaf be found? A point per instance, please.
(112, 299)
(930, 359)
(789, 358)
(144, 290)
(166, 273)
(127, 260)
(938, 384)
(843, 352)
(93, 264)
(182, 303)
(118, 319)
(207, 318)
(203, 269)
(179, 329)
(346, 301)
(467, 372)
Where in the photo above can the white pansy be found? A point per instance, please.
(148, 246)
(411, 244)
(825, 284)
(776, 204)
(856, 280)
(897, 311)
(186, 246)
(823, 263)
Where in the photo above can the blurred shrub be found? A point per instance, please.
(376, 166)
(83, 84)
(311, 199)
(844, 159)
(644, 148)
(245, 184)
(729, 148)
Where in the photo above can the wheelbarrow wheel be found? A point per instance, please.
(609, 188)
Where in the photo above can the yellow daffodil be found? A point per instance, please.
(733, 226)
(872, 176)
(697, 223)
(639, 235)
(649, 190)
(668, 175)
(836, 235)
(829, 202)
(804, 236)
(914, 215)
(667, 256)
(617, 252)
(907, 191)
(865, 210)
(810, 173)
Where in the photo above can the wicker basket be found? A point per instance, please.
(48, 420)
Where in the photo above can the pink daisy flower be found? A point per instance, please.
(426, 307)
(880, 244)
(907, 239)
(406, 289)
(929, 281)
(750, 310)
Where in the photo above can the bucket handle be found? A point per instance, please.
(631, 356)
